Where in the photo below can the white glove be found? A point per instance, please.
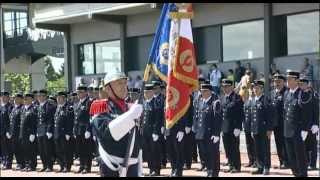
(155, 137)
(32, 137)
(162, 130)
(180, 136)
(236, 132)
(87, 135)
(136, 110)
(94, 138)
(49, 135)
(215, 139)
(314, 129)
(8, 135)
(187, 130)
(304, 135)
(67, 137)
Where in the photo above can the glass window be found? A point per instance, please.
(86, 59)
(9, 24)
(108, 57)
(303, 33)
(243, 40)
(21, 22)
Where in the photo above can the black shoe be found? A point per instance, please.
(254, 165)
(258, 171)
(225, 164)
(80, 170)
(154, 173)
(249, 164)
(187, 166)
(210, 174)
(61, 169)
(7, 167)
(85, 171)
(228, 170)
(42, 170)
(173, 173)
(24, 169)
(266, 172)
(283, 166)
(31, 169)
(234, 170)
(312, 168)
(201, 168)
(49, 170)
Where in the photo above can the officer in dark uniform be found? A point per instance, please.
(63, 125)
(15, 146)
(82, 130)
(261, 127)
(5, 110)
(35, 98)
(160, 101)
(209, 128)
(197, 99)
(175, 144)
(27, 134)
(277, 97)
(45, 127)
(233, 116)
(114, 121)
(297, 117)
(151, 131)
(311, 141)
(189, 139)
(248, 100)
(133, 95)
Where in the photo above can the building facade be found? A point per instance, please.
(103, 37)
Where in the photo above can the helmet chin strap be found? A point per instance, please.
(117, 97)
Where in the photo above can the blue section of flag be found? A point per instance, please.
(159, 52)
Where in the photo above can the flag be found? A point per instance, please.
(172, 58)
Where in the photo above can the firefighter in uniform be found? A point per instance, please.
(232, 107)
(311, 141)
(27, 134)
(151, 131)
(189, 137)
(45, 126)
(63, 125)
(15, 147)
(82, 130)
(248, 100)
(5, 110)
(210, 121)
(297, 117)
(113, 121)
(277, 97)
(261, 127)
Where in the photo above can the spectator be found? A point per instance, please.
(239, 72)
(138, 83)
(252, 71)
(307, 70)
(215, 78)
(230, 75)
(245, 82)
(201, 75)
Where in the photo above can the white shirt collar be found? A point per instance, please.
(258, 97)
(61, 105)
(41, 104)
(26, 106)
(156, 95)
(294, 90)
(149, 100)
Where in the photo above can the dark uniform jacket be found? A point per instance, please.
(82, 117)
(4, 118)
(210, 119)
(196, 101)
(277, 99)
(247, 115)
(232, 112)
(261, 117)
(45, 118)
(152, 121)
(15, 121)
(297, 112)
(63, 121)
(28, 124)
(315, 106)
(100, 123)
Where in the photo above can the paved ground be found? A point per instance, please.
(164, 172)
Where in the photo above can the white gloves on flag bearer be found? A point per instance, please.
(180, 136)
(304, 135)
(32, 137)
(8, 135)
(188, 129)
(67, 137)
(49, 135)
(314, 129)
(236, 132)
(87, 135)
(155, 137)
(215, 139)
(121, 125)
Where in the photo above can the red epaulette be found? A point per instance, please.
(99, 106)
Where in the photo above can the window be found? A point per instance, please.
(303, 33)
(15, 23)
(86, 59)
(108, 57)
(102, 57)
(243, 40)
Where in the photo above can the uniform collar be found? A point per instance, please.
(43, 103)
(257, 98)
(27, 106)
(207, 100)
(293, 90)
(149, 100)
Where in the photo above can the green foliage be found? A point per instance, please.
(19, 82)
(56, 85)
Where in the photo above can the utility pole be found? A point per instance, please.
(2, 62)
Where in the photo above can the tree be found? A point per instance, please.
(49, 71)
(19, 82)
